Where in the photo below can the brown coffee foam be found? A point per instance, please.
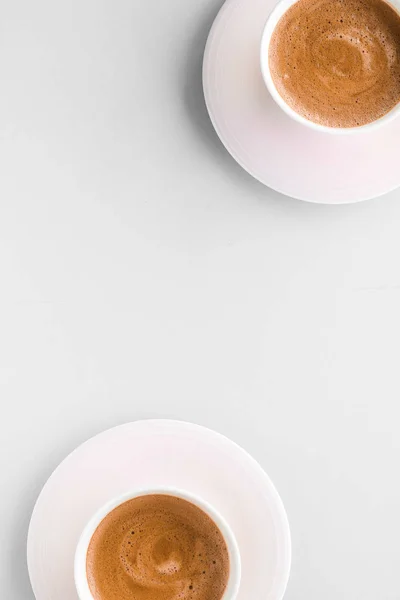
(157, 547)
(337, 62)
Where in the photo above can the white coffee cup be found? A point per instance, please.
(81, 581)
(271, 23)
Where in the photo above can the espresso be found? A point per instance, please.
(337, 62)
(157, 547)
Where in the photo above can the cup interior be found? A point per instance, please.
(81, 581)
(272, 21)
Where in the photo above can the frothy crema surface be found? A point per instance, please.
(157, 547)
(337, 62)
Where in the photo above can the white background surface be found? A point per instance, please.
(144, 274)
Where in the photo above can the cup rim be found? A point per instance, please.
(278, 11)
(81, 582)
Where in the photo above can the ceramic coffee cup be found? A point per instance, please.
(81, 581)
(271, 23)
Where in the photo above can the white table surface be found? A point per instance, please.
(144, 274)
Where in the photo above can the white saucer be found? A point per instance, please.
(158, 453)
(276, 150)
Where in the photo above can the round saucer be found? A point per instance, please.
(151, 454)
(282, 154)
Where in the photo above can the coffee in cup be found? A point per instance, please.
(157, 546)
(337, 62)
